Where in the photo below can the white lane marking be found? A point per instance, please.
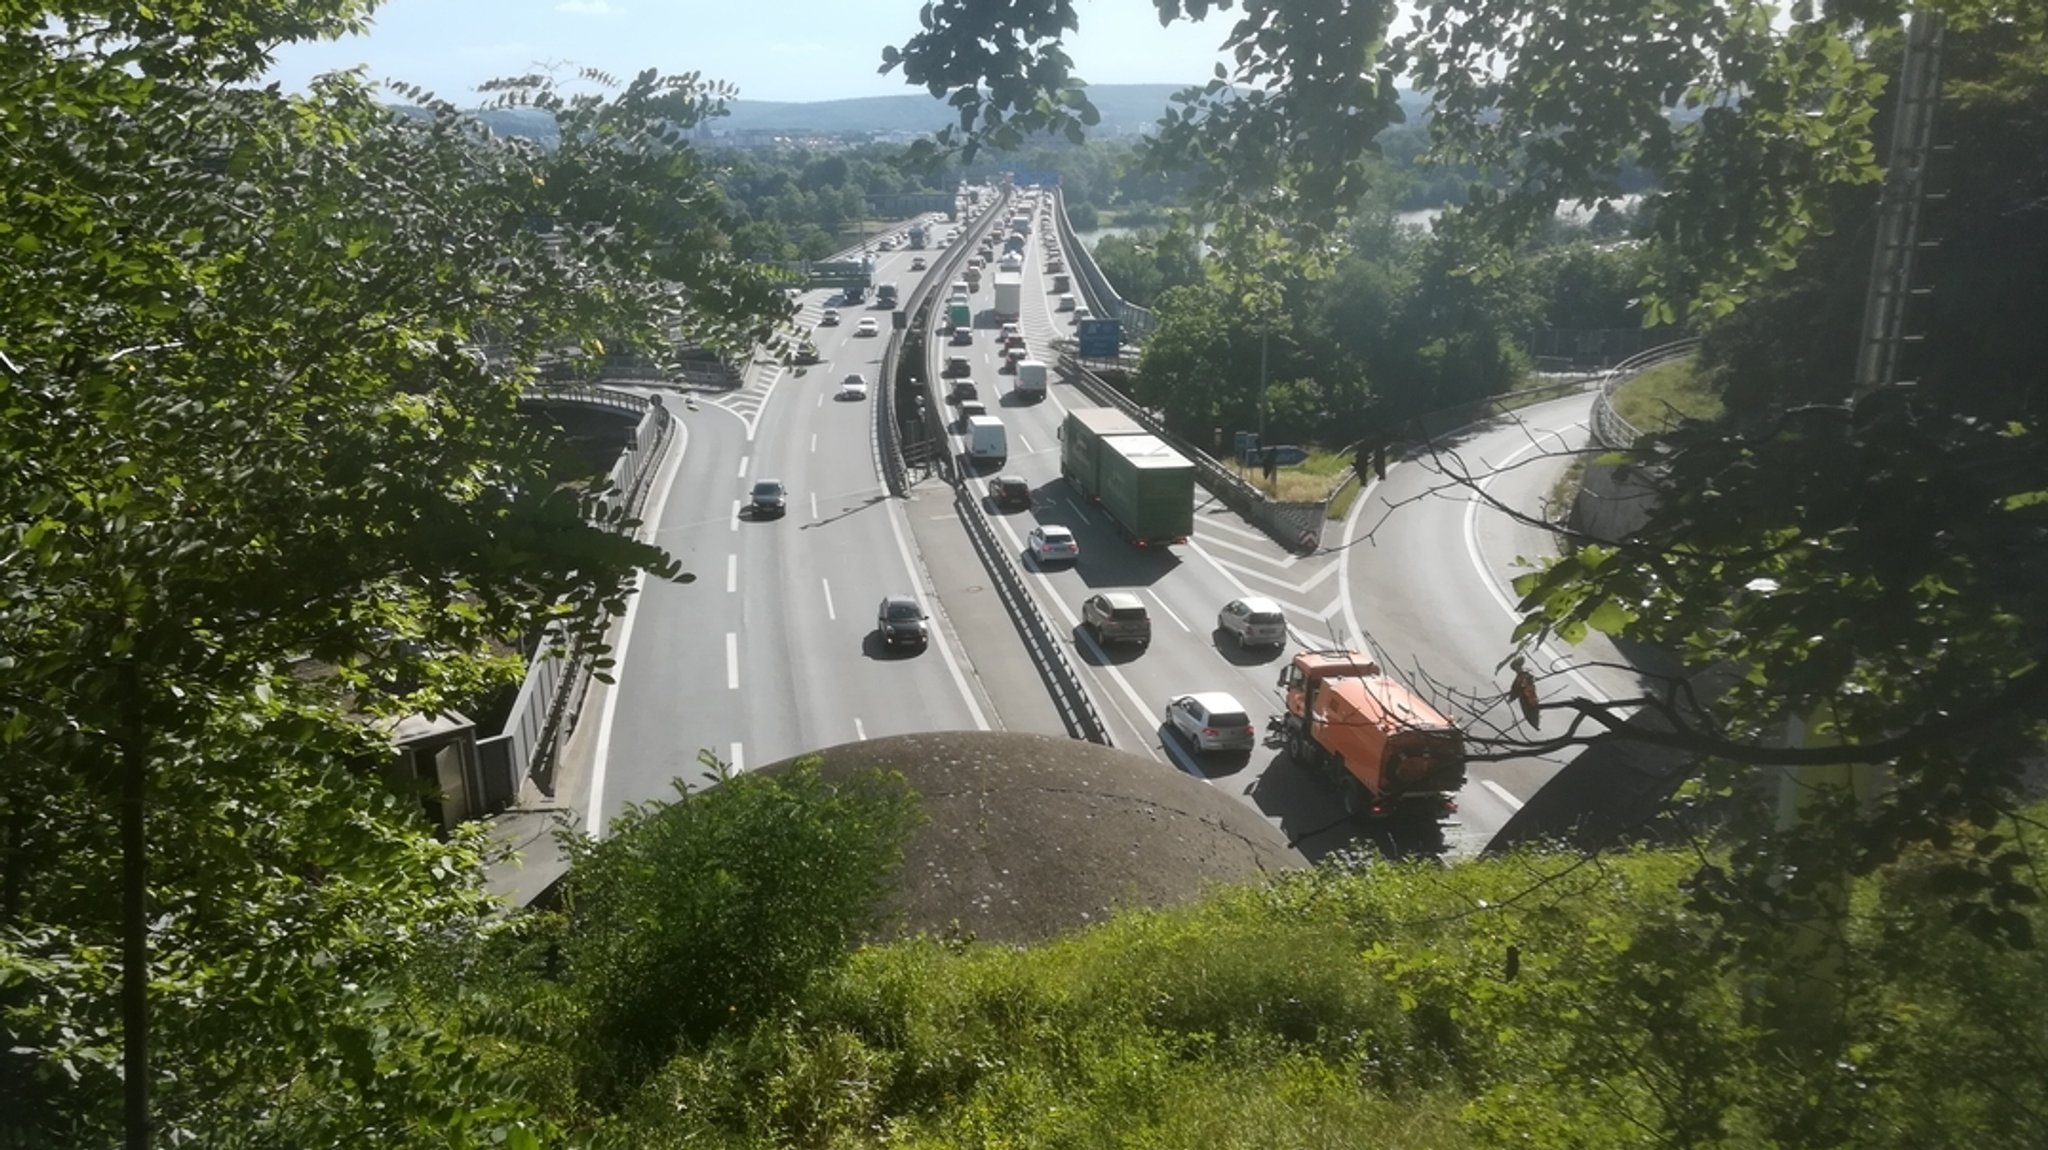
(735, 515)
(738, 762)
(732, 573)
(732, 661)
(744, 460)
(821, 400)
(1261, 556)
(1473, 503)
(594, 815)
(1078, 511)
(1344, 556)
(1086, 638)
(859, 731)
(814, 506)
(1026, 444)
(1169, 611)
(945, 645)
(1169, 738)
(814, 443)
(1501, 793)
(829, 612)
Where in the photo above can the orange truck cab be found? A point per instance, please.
(1390, 752)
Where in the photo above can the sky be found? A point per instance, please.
(770, 49)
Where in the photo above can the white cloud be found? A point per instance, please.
(588, 8)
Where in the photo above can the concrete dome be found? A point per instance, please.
(1033, 835)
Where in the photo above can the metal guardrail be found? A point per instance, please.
(586, 395)
(887, 433)
(1608, 426)
(1045, 644)
(1138, 322)
(555, 681)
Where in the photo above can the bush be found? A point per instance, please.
(713, 911)
(1082, 215)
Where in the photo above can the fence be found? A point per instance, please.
(888, 435)
(1608, 426)
(552, 691)
(1612, 501)
(1095, 287)
(1042, 642)
(1045, 644)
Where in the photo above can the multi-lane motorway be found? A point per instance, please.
(772, 651)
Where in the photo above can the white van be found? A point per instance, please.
(986, 441)
(1030, 379)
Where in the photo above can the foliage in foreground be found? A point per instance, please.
(712, 911)
(1540, 1000)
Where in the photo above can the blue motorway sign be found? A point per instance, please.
(1099, 338)
(1287, 455)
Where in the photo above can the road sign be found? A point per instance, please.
(1287, 455)
(1099, 338)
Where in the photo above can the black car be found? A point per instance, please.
(1010, 491)
(769, 498)
(902, 622)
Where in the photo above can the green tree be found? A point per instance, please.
(1149, 263)
(262, 496)
(710, 913)
(1867, 563)
(1082, 215)
(1201, 365)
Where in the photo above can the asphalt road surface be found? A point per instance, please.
(1424, 583)
(773, 650)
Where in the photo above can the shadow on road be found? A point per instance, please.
(872, 646)
(1310, 811)
(863, 505)
(1209, 765)
(1097, 653)
(1240, 656)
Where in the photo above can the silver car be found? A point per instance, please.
(1212, 721)
(1255, 621)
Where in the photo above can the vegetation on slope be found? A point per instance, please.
(1544, 1000)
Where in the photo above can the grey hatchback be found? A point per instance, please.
(1117, 617)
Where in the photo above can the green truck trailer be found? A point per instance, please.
(959, 315)
(1147, 487)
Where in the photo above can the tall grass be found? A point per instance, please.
(1662, 395)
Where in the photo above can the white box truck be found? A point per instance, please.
(1030, 379)
(1009, 295)
(986, 441)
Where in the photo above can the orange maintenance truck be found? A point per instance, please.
(1390, 751)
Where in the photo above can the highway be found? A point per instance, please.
(1428, 589)
(772, 650)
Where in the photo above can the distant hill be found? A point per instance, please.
(1124, 107)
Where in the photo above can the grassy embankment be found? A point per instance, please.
(1652, 401)
(1375, 1008)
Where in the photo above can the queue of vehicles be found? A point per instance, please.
(1391, 753)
